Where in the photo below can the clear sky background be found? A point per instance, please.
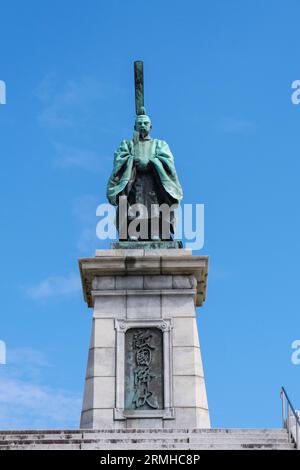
(218, 88)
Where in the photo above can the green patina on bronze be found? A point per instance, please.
(148, 245)
(158, 155)
(144, 169)
(139, 86)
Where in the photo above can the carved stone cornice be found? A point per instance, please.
(126, 265)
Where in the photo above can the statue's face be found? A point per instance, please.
(143, 126)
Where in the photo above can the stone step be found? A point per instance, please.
(146, 430)
(188, 447)
(35, 437)
(95, 441)
(147, 442)
(238, 431)
(150, 447)
(42, 447)
(144, 436)
(186, 435)
(146, 439)
(119, 439)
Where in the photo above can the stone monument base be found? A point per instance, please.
(146, 439)
(144, 365)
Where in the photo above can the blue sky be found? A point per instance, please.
(218, 88)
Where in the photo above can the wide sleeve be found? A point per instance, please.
(164, 165)
(123, 162)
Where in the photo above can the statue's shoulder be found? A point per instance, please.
(160, 142)
(126, 144)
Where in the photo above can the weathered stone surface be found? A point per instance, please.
(134, 290)
(103, 333)
(181, 305)
(101, 362)
(185, 332)
(174, 252)
(187, 361)
(107, 253)
(143, 265)
(99, 419)
(99, 393)
(142, 252)
(186, 416)
(150, 263)
(129, 282)
(145, 423)
(143, 306)
(104, 282)
(110, 306)
(184, 282)
(189, 391)
(158, 282)
(107, 438)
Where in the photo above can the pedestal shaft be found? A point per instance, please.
(144, 295)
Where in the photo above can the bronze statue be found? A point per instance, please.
(144, 175)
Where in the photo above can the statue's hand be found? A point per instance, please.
(141, 163)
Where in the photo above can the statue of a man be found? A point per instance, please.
(145, 173)
(144, 183)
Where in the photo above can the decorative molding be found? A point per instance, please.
(121, 327)
(142, 292)
(166, 413)
(103, 266)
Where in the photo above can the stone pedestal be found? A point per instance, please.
(144, 365)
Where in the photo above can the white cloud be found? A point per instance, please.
(231, 124)
(28, 356)
(81, 158)
(69, 104)
(72, 157)
(25, 402)
(55, 286)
